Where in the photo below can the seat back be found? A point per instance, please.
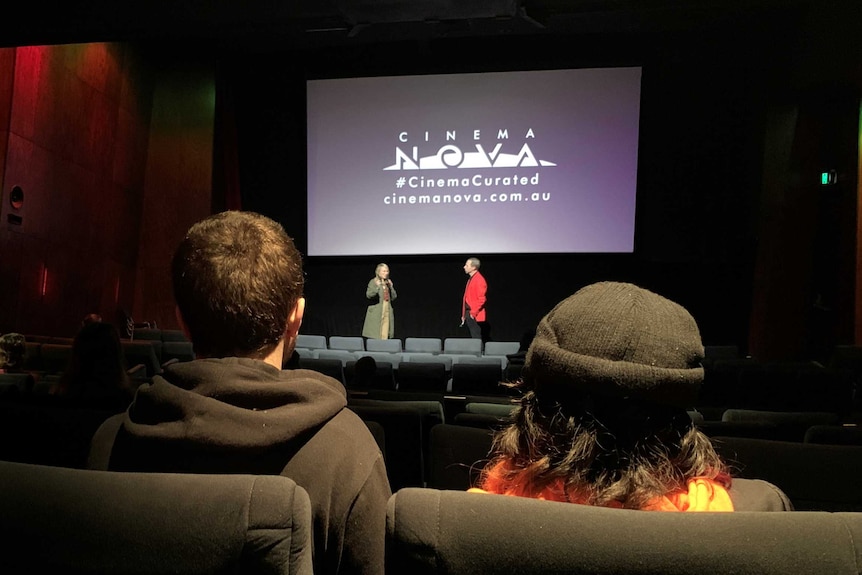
(834, 434)
(477, 378)
(179, 350)
(480, 420)
(150, 333)
(422, 377)
(815, 477)
(787, 425)
(727, 351)
(305, 352)
(501, 347)
(458, 454)
(423, 345)
(499, 361)
(333, 367)
(792, 386)
(32, 356)
(422, 357)
(393, 359)
(57, 520)
(462, 345)
(341, 355)
(387, 345)
(346, 342)
(501, 410)
(308, 341)
(379, 435)
(382, 377)
(48, 431)
(431, 411)
(55, 357)
(142, 352)
(431, 531)
(16, 383)
(403, 430)
(173, 335)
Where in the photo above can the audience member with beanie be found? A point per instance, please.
(602, 419)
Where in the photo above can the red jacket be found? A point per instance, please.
(474, 296)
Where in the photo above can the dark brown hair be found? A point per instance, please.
(236, 277)
(598, 450)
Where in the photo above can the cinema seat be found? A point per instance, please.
(459, 533)
(58, 520)
(385, 345)
(308, 341)
(462, 345)
(423, 345)
(346, 343)
(815, 477)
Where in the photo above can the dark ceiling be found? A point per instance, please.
(263, 24)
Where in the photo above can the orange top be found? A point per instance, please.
(702, 494)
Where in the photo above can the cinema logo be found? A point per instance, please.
(451, 156)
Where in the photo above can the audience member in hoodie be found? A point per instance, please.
(238, 284)
(602, 419)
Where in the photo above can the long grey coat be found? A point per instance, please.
(374, 313)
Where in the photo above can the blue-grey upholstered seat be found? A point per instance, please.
(423, 345)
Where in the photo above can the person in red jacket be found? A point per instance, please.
(473, 303)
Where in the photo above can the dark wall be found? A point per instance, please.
(112, 145)
(179, 172)
(76, 144)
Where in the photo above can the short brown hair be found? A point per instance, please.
(236, 277)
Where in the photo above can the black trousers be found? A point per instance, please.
(473, 326)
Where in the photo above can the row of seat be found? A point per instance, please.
(157, 334)
(779, 385)
(798, 427)
(415, 375)
(396, 359)
(455, 346)
(442, 440)
(427, 530)
(816, 477)
(151, 334)
(54, 358)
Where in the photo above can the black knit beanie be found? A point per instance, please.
(618, 340)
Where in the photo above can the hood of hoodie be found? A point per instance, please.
(232, 404)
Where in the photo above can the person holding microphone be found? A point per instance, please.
(380, 317)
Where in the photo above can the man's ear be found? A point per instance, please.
(294, 320)
(179, 315)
